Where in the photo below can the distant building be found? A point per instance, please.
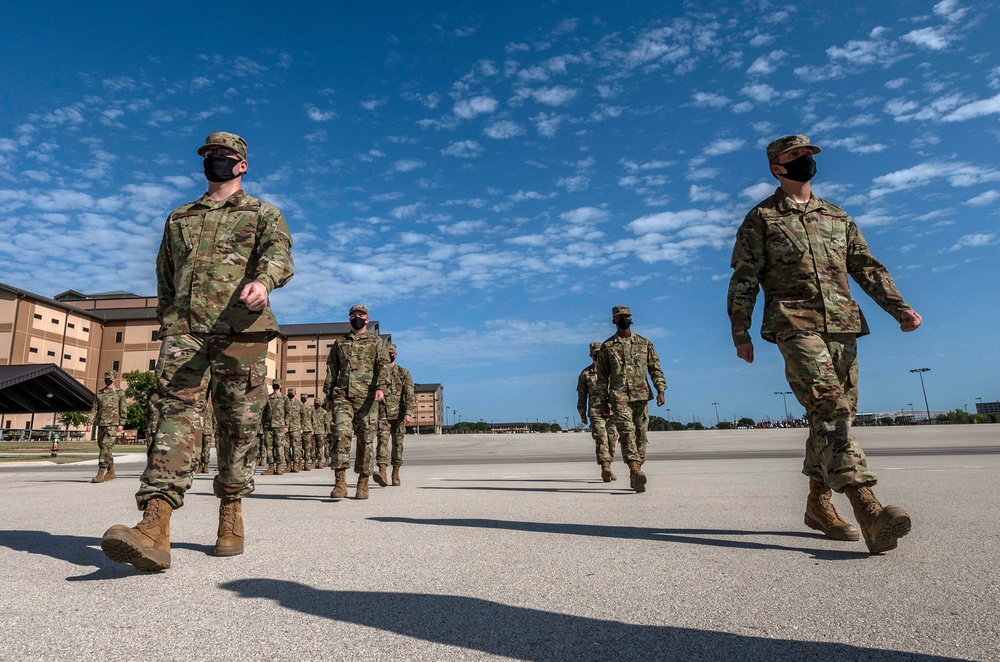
(988, 407)
(88, 334)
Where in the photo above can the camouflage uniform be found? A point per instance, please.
(294, 420)
(356, 368)
(622, 364)
(801, 256)
(211, 340)
(320, 431)
(589, 404)
(400, 400)
(110, 410)
(306, 424)
(152, 419)
(207, 434)
(274, 426)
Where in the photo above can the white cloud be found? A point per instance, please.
(957, 174)
(575, 183)
(372, 104)
(932, 38)
(672, 221)
(975, 241)
(406, 211)
(759, 92)
(709, 100)
(463, 149)
(984, 199)
(554, 96)
(722, 146)
(767, 64)
(857, 145)
(585, 215)
(974, 109)
(546, 125)
(759, 191)
(317, 115)
(469, 108)
(503, 129)
(462, 227)
(407, 165)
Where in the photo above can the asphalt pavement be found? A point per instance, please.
(511, 547)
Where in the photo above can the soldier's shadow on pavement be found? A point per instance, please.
(82, 551)
(734, 538)
(493, 628)
(611, 489)
(585, 481)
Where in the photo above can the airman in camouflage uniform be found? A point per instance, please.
(320, 431)
(622, 364)
(219, 259)
(800, 250)
(356, 374)
(602, 428)
(308, 440)
(275, 428)
(294, 420)
(109, 414)
(207, 437)
(395, 413)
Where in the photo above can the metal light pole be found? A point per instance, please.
(980, 401)
(784, 401)
(668, 414)
(716, 405)
(446, 410)
(920, 372)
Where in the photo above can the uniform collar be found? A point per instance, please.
(232, 201)
(786, 204)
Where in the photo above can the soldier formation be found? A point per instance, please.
(223, 254)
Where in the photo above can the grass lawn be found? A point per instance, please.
(39, 450)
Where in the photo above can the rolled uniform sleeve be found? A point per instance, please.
(582, 383)
(653, 366)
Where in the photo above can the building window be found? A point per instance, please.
(152, 364)
(291, 347)
(329, 345)
(38, 316)
(50, 353)
(32, 350)
(70, 325)
(118, 336)
(289, 372)
(115, 365)
(310, 370)
(156, 335)
(86, 329)
(83, 360)
(310, 346)
(55, 321)
(67, 356)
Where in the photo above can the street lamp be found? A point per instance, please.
(716, 405)
(784, 401)
(446, 410)
(980, 401)
(668, 414)
(920, 372)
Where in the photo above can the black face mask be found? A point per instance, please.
(358, 323)
(109, 382)
(801, 169)
(392, 358)
(219, 168)
(623, 322)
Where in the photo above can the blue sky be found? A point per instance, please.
(491, 178)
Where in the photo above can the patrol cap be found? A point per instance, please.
(110, 374)
(594, 347)
(358, 308)
(391, 348)
(223, 139)
(787, 144)
(276, 382)
(291, 389)
(620, 310)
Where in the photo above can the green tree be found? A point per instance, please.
(658, 424)
(724, 425)
(746, 422)
(74, 418)
(694, 426)
(141, 387)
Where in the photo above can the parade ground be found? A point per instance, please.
(510, 546)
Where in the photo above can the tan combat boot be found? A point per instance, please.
(822, 516)
(340, 484)
(277, 469)
(881, 525)
(606, 471)
(110, 473)
(637, 478)
(99, 478)
(293, 467)
(395, 476)
(146, 545)
(380, 476)
(362, 491)
(269, 471)
(306, 465)
(230, 538)
(203, 469)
